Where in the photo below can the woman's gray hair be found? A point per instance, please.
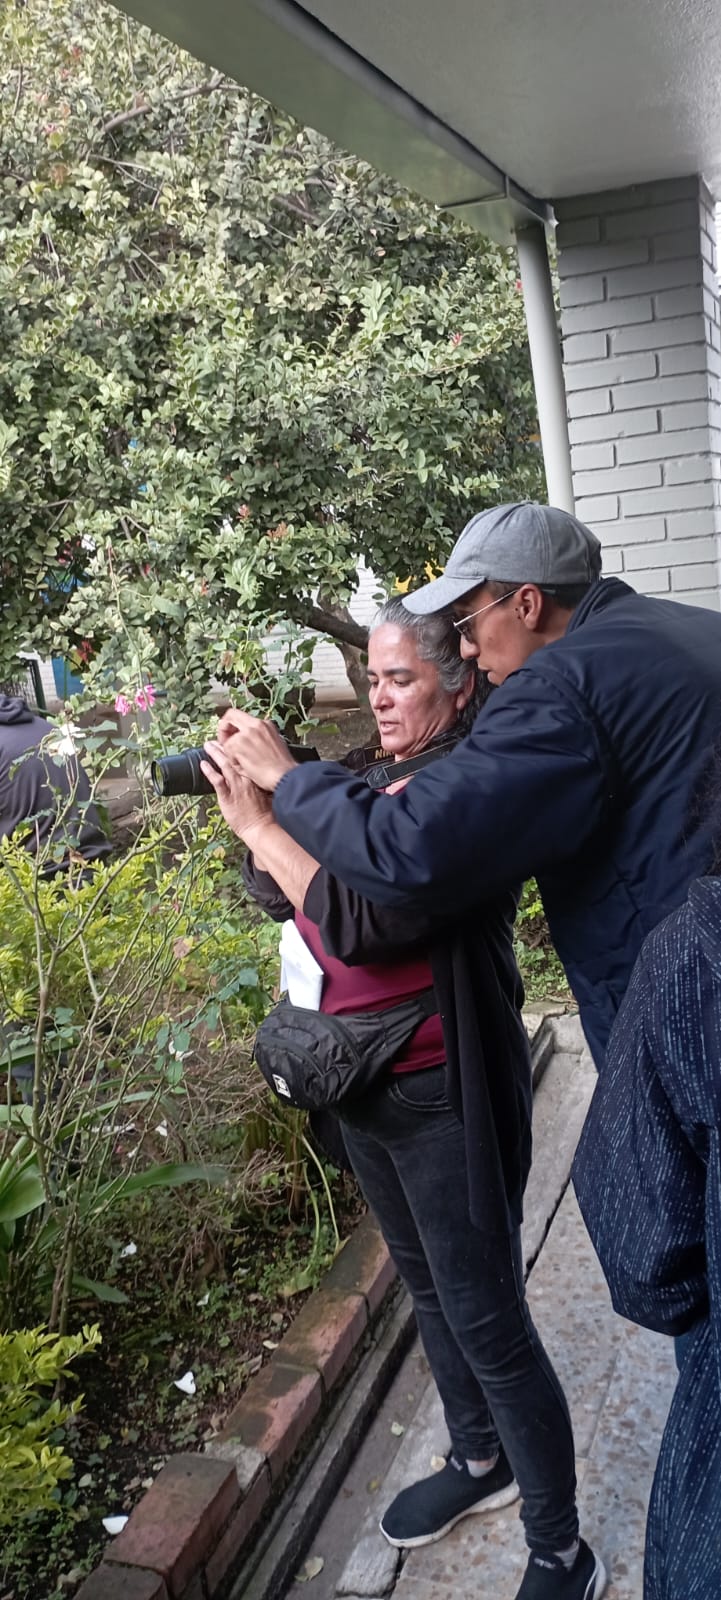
(436, 640)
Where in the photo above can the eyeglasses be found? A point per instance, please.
(462, 625)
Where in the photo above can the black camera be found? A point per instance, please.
(181, 774)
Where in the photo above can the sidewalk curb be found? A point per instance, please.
(189, 1535)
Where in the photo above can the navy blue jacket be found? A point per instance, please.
(648, 1178)
(586, 769)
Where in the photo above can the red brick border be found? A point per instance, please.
(121, 1583)
(185, 1537)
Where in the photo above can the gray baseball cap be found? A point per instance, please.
(521, 543)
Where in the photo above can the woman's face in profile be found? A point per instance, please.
(407, 700)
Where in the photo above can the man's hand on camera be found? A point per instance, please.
(256, 747)
(246, 808)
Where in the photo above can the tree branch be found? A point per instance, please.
(343, 628)
(353, 657)
(19, 90)
(295, 207)
(208, 86)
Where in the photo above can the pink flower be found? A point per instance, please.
(122, 706)
(456, 338)
(145, 697)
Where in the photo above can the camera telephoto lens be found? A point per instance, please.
(181, 774)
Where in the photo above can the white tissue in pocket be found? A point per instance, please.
(300, 973)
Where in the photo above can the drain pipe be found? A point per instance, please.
(546, 363)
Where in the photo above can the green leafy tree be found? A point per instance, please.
(235, 360)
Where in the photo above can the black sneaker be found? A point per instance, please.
(547, 1578)
(430, 1508)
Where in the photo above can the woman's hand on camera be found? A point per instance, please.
(256, 746)
(246, 808)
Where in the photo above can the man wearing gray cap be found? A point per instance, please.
(586, 768)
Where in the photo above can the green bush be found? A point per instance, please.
(235, 360)
(32, 1461)
(130, 996)
(541, 968)
(127, 1009)
(170, 910)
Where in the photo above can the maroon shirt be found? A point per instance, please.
(376, 987)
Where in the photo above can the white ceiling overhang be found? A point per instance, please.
(486, 106)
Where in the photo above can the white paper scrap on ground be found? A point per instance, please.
(300, 974)
(114, 1525)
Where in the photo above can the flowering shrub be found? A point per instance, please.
(143, 700)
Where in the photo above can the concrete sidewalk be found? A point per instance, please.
(618, 1380)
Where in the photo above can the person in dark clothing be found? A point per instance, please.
(648, 1179)
(457, 1099)
(52, 790)
(585, 769)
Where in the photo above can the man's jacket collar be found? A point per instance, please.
(606, 592)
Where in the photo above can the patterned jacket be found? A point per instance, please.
(648, 1179)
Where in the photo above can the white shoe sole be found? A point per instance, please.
(597, 1582)
(495, 1502)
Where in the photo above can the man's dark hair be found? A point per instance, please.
(566, 595)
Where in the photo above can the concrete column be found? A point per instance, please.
(642, 365)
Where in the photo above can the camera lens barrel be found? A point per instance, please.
(181, 774)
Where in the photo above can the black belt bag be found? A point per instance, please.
(311, 1059)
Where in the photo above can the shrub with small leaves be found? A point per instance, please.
(32, 1461)
(540, 966)
(235, 361)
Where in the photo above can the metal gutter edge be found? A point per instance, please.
(505, 206)
(280, 51)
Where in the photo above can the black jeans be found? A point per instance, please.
(492, 1372)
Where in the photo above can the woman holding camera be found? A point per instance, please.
(441, 1144)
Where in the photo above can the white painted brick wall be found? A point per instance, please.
(642, 360)
(48, 680)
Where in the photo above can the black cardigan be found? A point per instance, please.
(480, 995)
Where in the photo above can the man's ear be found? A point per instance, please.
(529, 604)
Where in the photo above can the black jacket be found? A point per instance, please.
(480, 995)
(37, 787)
(586, 769)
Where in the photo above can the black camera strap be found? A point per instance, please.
(381, 774)
(376, 767)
